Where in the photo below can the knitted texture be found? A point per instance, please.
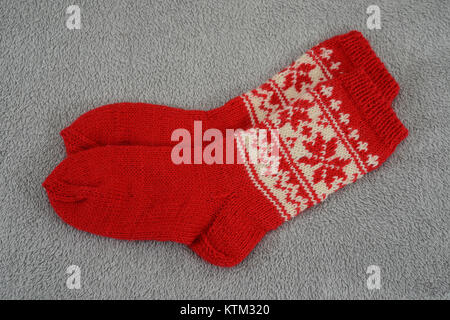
(331, 107)
(331, 136)
(129, 123)
(138, 193)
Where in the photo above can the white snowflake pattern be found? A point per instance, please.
(335, 104)
(326, 91)
(325, 53)
(362, 146)
(372, 160)
(335, 65)
(354, 134)
(343, 117)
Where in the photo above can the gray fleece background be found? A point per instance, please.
(199, 54)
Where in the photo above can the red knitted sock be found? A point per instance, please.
(346, 132)
(135, 193)
(146, 124)
(330, 136)
(130, 123)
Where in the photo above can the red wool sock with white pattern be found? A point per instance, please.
(337, 132)
(340, 132)
(331, 133)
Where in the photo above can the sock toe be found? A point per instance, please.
(70, 188)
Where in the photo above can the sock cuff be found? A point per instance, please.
(379, 114)
(361, 54)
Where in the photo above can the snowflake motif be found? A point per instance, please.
(329, 168)
(307, 131)
(343, 117)
(335, 65)
(287, 181)
(296, 114)
(335, 104)
(372, 160)
(354, 134)
(298, 77)
(362, 146)
(326, 91)
(325, 53)
(323, 121)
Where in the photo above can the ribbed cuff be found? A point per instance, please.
(379, 115)
(361, 54)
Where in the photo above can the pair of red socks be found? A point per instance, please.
(331, 112)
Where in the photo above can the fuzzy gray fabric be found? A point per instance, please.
(199, 54)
